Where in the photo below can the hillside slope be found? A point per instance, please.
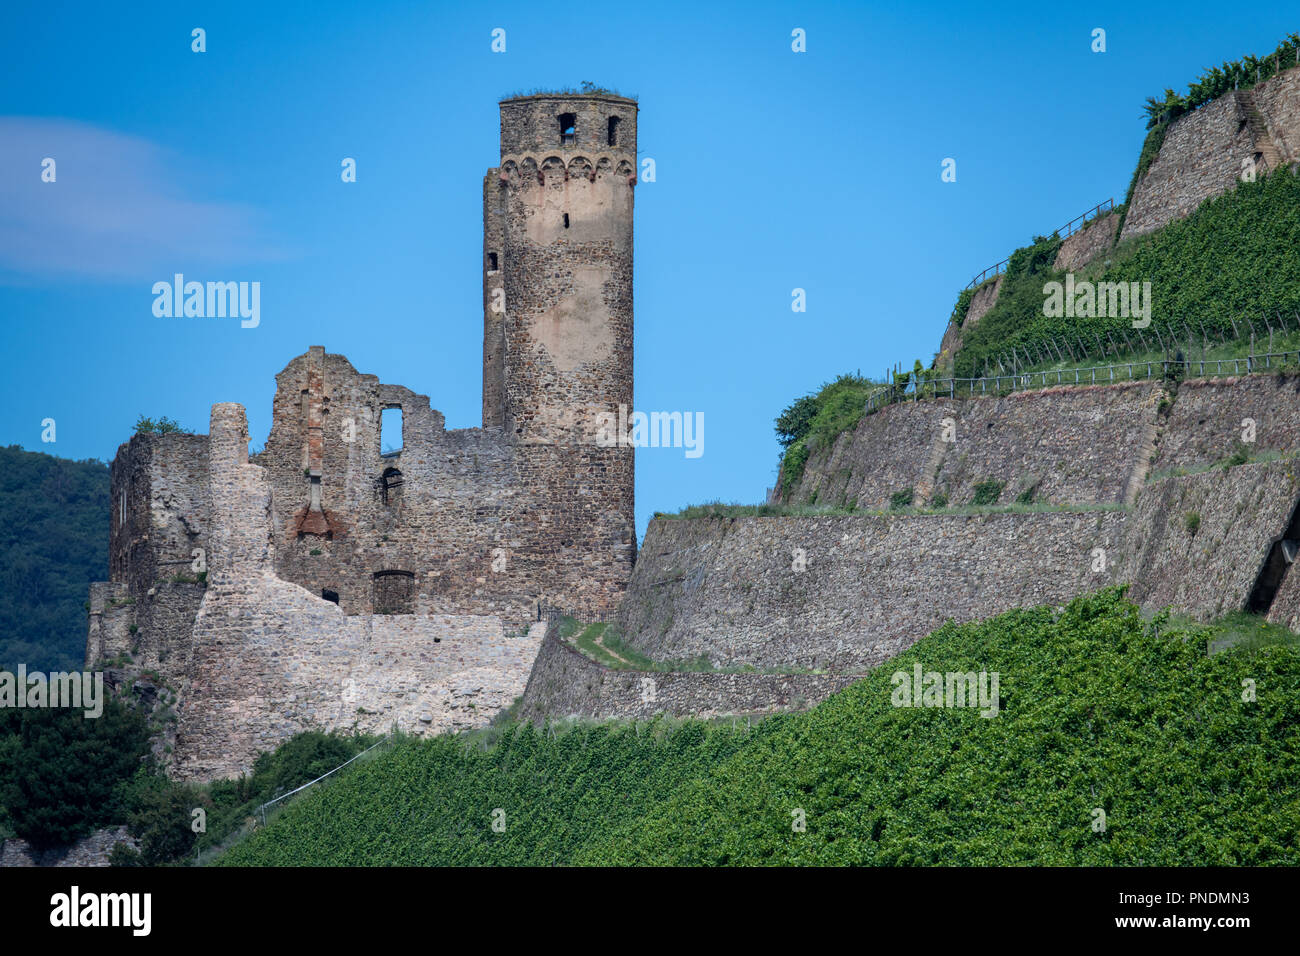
(53, 543)
(1099, 709)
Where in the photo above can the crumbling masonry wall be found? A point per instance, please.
(271, 659)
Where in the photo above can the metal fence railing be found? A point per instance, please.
(1071, 227)
(260, 811)
(953, 387)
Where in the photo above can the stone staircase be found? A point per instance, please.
(1259, 132)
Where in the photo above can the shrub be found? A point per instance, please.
(163, 426)
(1192, 522)
(61, 773)
(901, 499)
(939, 500)
(987, 492)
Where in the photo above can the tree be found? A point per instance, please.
(61, 772)
(796, 420)
(163, 426)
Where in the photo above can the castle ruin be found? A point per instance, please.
(346, 577)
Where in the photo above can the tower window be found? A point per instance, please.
(566, 220)
(329, 595)
(612, 138)
(390, 431)
(492, 262)
(390, 486)
(568, 129)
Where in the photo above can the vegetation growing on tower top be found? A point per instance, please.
(587, 88)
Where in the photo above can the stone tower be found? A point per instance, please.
(557, 284)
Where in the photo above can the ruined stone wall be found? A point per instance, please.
(1087, 244)
(872, 585)
(1071, 445)
(887, 452)
(1202, 152)
(479, 523)
(566, 683)
(159, 495)
(494, 342)
(271, 659)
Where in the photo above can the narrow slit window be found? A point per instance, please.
(612, 138)
(329, 595)
(492, 262)
(390, 431)
(566, 220)
(568, 129)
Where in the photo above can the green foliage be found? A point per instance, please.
(962, 307)
(301, 759)
(938, 500)
(159, 811)
(988, 492)
(1216, 81)
(160, 819)
(1099, 708)
(794, 423)
(53, 544)
(431, 802)
(1192, 522)
(1026, 497)
(163, 426)
(901, 499)
(815, 421)
(62, 774)
(1232, 257)
(587, 88)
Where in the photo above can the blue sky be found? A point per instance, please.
(775, 170)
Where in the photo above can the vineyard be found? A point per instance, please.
(1226, 272)
(1119, 741)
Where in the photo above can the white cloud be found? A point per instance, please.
(118, 210)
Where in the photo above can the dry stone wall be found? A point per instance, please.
(1211, 418)
(1070, 445)
(1198, 542)
(871, 585)
(566, 683)
(1087, 244)
(1203, 151)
